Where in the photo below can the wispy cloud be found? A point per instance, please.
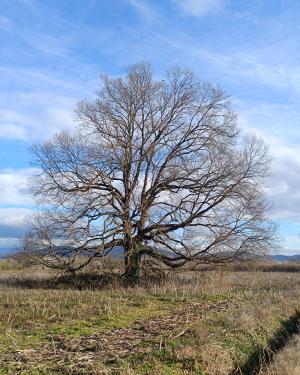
(199, 8)
(27, 3)
(5, 23)
(48, 44)
(146, 11)
(250, 65)
(241, 65)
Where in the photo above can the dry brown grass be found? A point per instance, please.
(193, 323)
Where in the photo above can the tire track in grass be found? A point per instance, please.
(287, 361)
(263, 356)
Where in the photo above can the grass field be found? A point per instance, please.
(213, 322)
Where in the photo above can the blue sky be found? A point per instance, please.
(53, 53)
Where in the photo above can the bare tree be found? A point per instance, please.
(156, 168)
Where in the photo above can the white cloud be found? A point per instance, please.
(291, 245)
(198, 8)
(268, 121)
(283, 185)
(8, 243)
(38, 116)
(11, 131)
(14, 192)
(284, 190)
(14, 187)
(14, 217)
(12, 226)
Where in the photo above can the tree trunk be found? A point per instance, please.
(132, 265)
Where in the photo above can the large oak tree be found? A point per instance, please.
(157, 168)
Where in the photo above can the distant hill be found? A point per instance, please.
(117, 253)
(286, 258)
